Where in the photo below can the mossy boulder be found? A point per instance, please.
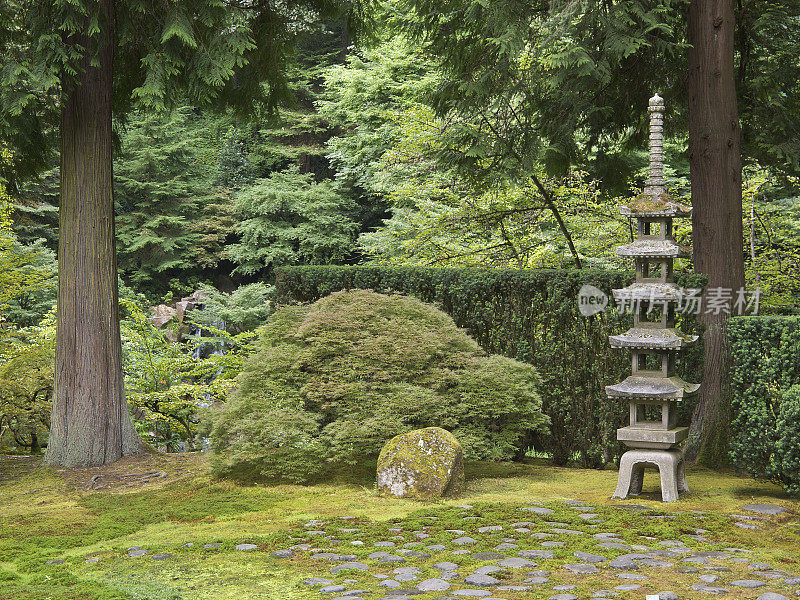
(421, 464)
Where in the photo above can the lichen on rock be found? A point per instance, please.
(422, 464)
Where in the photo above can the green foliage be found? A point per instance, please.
(787, 446)
(765, 377)
(330, 383)
(529, 315)
(167, 383)
(516, 76)
(772, 238)
(26, 386)
(289, 219)
(243, 309)
(18, 271)
(171, 220)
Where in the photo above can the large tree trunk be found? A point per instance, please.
(90, 423)
(716, 176)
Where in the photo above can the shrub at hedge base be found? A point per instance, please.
(765, 381)
(329, 383)
(531, 316)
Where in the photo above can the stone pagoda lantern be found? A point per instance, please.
(653, 389)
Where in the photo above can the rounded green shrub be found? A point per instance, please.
(329, 383)
(787, 448)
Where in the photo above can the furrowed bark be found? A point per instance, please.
(90, 423)
(716, 176)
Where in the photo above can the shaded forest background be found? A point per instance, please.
(358, 166)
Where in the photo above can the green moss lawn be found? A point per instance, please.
(169, 504)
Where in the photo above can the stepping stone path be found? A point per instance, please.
(560, 551)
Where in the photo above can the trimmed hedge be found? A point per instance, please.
(765, 380)
(529, 315)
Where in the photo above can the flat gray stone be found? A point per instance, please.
(667, 595)
(627, 587)
(712, 554)
(516, 563)
(613, 546)
(564, 587)
(536, 580)
(348, 566)
(760, 567)
(384, 544)
(407, 570)
(709, 589)
(277, 553)
(487, 570)
(563, 597)
(539, 510)
(506, 546)
(60, 561)
(481, 579)
(772, 596)
(553, 544)
(299, 547)
(161, 556)
(446, 566)
(581, 568)
(464, 541)
(390, 583)
(490, 528)
(315, 581)
(392, 559)
(472, 593)
(331, 589)
(589, 558)
(792, 581)
(631, 576)
(536, 554)
(744, 525)
(433, 585)
(436, 548)
(137, 552)
(708, 578)
(764, 509)
(654, 562)
(748, 583)
(624, 562)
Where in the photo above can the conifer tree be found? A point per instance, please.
(165, 199)
(72, 64)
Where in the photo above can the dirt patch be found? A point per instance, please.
(132, 473)
(13, 467)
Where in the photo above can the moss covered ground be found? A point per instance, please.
(170, 504)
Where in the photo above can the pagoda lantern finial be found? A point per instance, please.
(655, 182)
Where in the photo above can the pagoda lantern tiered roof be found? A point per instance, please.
(654, 341)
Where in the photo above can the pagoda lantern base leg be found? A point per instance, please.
(670, 467)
